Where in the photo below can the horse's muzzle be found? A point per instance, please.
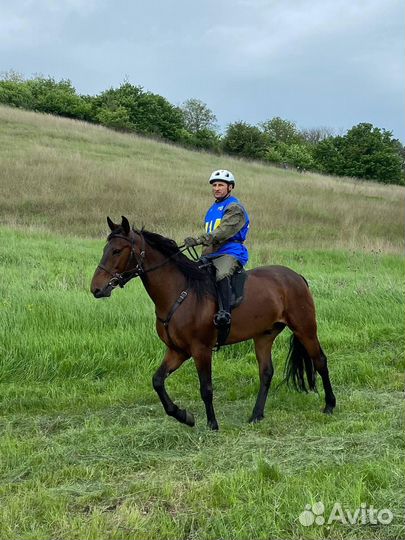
(103, 293)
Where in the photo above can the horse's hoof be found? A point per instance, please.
(328, 410)
(255, 419)
(213, 425)
(189, 420)
(181, 415)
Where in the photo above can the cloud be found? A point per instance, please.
(276, 34)
(275, 30)
(38, 22)
(318, 62)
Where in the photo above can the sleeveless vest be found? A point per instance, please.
(234, 246)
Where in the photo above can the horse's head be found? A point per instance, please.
(121, 247)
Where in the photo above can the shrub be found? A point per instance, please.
(245, 140)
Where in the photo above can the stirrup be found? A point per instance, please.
(222, 318)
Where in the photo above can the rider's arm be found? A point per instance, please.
(231, 223)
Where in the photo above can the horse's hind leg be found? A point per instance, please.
(171, 362)
(318, 357)
(263, 345)
(322, 368)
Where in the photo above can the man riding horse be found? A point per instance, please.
(226, 226)
(275, 297)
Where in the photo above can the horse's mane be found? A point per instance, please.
(199, 280)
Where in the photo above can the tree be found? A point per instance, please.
(372, 153)
(44, 94)
(58, 97)
(197, 116)
(329, 156)
(364, 152)
(297, 155)
(401, 152)
(281, 131)
(14, 91)
(316, 135)
(143, 112)
(245, 140)
(116, 118)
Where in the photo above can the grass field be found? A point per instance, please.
(86, 450)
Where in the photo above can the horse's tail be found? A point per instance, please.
(298, 360)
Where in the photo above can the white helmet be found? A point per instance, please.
(222, 175)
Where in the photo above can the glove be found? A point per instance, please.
(191, 242)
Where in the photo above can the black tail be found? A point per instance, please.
(298, 360)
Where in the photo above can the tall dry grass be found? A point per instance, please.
(67, 176)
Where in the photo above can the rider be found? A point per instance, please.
(226, 226)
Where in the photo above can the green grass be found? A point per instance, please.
(86, 450)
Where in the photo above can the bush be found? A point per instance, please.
(143, 112)
(117, 118)
(15, 94)
(245, 140)
(281, 131)
(296, 155)
(197, 116)
(44, 95)
(364, 152)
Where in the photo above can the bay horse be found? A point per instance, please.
(185, 303)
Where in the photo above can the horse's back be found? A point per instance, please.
(278, 286)
(273, 294)
(277, 274)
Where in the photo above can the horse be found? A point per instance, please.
(185, 302)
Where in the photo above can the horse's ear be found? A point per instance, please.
(111, 224)
(125, 225)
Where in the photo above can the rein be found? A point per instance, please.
(120, 279)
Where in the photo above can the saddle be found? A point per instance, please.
(237, 281)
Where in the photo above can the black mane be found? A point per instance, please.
(198, 280)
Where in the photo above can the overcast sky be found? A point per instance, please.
(331, 63)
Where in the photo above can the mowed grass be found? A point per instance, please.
(86, 450)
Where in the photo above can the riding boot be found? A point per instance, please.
(223, 317)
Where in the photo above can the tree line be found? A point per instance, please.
(364, 151)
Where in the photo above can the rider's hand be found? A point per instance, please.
(191, 242)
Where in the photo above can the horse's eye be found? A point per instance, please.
(116, 251)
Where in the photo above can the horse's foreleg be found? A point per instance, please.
(171, 362)
(203, 361)
(263, 345)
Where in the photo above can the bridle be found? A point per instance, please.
(120, 279)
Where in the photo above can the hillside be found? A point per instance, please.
(86, 448)
(66, 176)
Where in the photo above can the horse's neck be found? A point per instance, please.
(163, 284)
